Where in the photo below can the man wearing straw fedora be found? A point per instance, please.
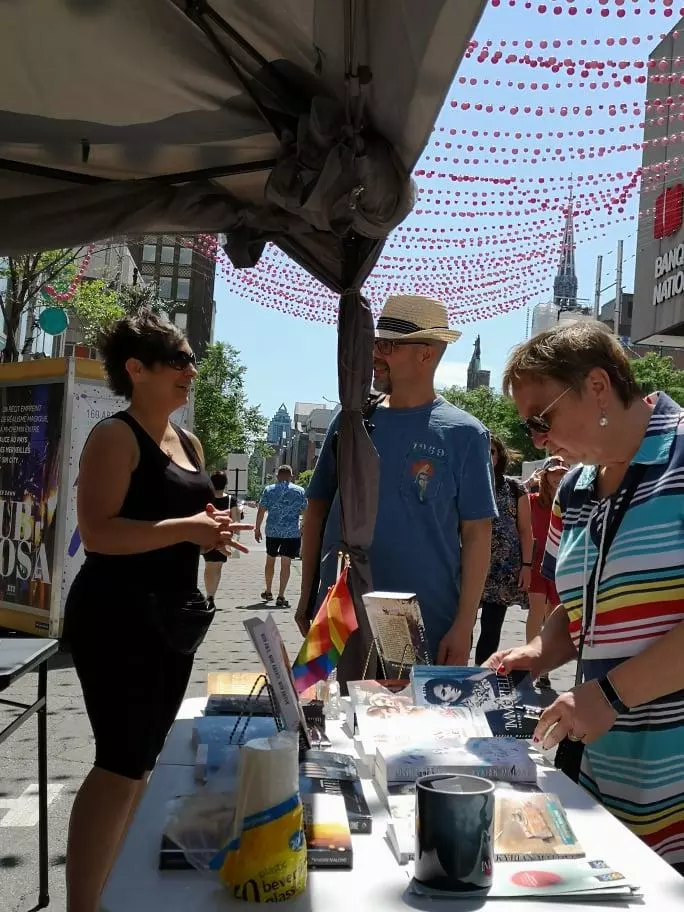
(436, 505)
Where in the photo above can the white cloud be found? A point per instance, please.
(451, 373)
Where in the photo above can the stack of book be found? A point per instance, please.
(578, 880)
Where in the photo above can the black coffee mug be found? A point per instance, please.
(454, 832)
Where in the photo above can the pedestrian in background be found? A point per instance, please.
(511, 561)
(284, 502)
(542, 592)
(214, 559)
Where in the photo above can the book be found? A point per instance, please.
(336, 774)
(401, 835)
(397, 627)
(463, 686)
(382, 716)
(568, 879)
(233, 682)
(271, 650)
(507, 759)
(236, 730)
(512, 722)
(328, 837)
(532, 827)
(232, 704)
(401, 802)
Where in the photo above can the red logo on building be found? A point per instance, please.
(668, 212)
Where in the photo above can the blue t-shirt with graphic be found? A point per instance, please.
(435, 471)
(284, 502)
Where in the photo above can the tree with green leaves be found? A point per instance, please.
(657, 372)
(224, 421)
(498, 413)
(94, 305)
(304, 478)
(27, 277)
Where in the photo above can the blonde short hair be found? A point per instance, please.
(567, 353)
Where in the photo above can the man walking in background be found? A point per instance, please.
(284, 503)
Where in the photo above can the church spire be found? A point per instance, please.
(565, 282)
(476, 376)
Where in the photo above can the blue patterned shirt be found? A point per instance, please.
(284, 502)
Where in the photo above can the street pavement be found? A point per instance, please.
(227, 648)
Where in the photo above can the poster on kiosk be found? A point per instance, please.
(47, 409)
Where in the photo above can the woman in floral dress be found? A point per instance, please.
(512, 546)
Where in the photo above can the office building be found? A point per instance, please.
(185, 279)
(279, 427)
(658, 312)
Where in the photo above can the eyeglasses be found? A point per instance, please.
(387, 346)
(181, 360)
(537, 424)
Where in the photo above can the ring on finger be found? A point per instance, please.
(573, 737)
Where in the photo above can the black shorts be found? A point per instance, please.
(282, 547)
(133, 685)
(215, 557)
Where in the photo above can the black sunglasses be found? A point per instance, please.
(387, 346)
(537, 424)
(180, 360)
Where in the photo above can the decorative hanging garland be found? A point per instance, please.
(556, 43)
(541, 111)
(602, 9)
(64, 296)
(617, 83)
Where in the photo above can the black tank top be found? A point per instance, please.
(159, 489)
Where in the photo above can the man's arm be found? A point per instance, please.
(261, 512)
(476, 509)
(476, 549)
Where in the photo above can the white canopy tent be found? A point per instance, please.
(291, 121)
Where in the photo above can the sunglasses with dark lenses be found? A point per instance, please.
(387, 346)
(537, 424)
(181, 360)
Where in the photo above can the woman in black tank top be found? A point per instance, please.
(144, 512)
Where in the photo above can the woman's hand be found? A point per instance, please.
(582, 714)
(525, 579)
(215, 532)
(520, 658)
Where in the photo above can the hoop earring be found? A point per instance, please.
(603, 420)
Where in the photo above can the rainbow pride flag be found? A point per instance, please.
(325, 641)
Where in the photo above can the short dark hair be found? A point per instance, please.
(285, 470)
(219, 480)
(567, 353)
(145, 336)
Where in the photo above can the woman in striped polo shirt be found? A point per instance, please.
(616, 552)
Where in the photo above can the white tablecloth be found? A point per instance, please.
(377, 882)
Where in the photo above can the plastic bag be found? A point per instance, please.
(266, 859)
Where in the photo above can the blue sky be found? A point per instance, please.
(290, 359)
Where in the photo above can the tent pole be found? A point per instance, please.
(197, 16)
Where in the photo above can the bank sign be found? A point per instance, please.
(668, 217)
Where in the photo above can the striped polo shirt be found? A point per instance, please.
(637, 768)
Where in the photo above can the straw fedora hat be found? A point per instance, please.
(415, 318)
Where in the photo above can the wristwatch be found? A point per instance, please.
(612, 695)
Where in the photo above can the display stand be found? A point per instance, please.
(243, 720)
(375, 646)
